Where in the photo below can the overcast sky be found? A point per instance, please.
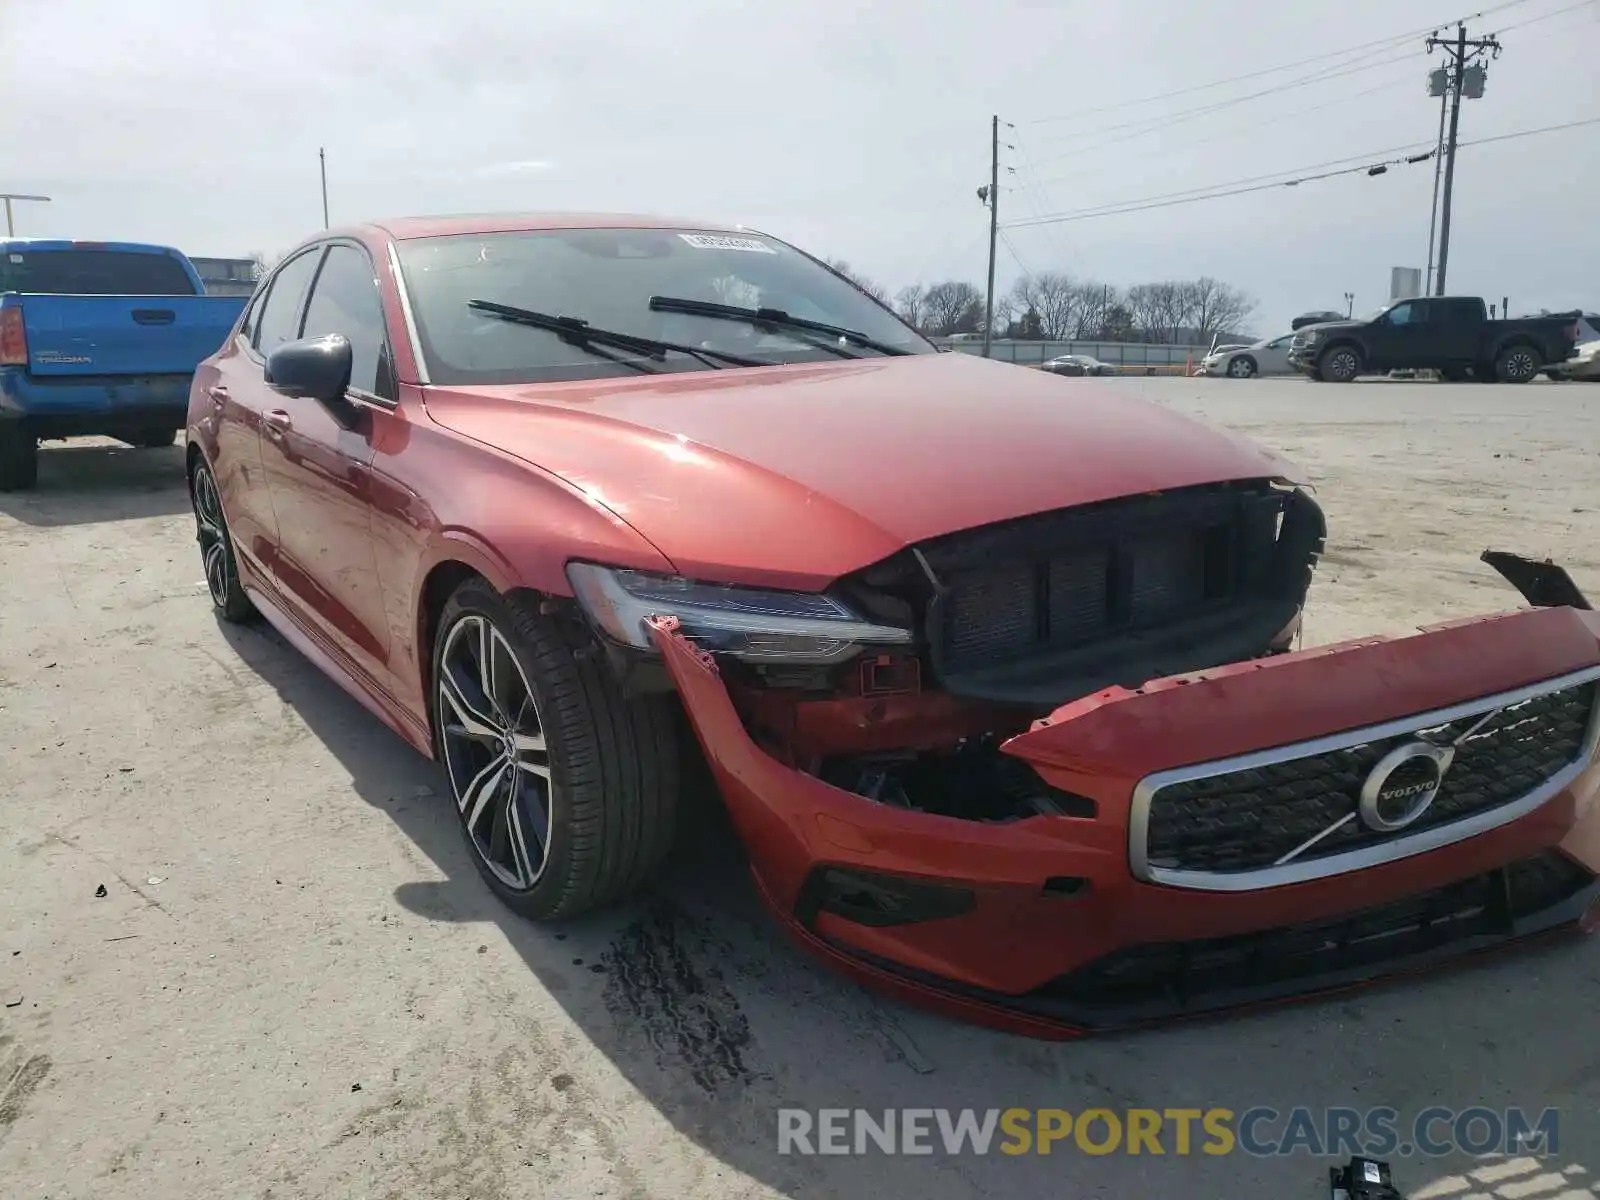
(858, 131)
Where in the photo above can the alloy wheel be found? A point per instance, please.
(1342, 364)
(1520, 366)
(212, 534)
(494, 751)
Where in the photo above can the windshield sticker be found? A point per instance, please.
(16, 258)
(717, 241)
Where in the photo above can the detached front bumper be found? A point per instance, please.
(1059, 925)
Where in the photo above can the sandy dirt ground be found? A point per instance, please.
(295, 985)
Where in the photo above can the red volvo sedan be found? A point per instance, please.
(995, 670)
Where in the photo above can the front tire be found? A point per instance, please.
(567, 791)
(1517, 364)
(1341, 364)
(19, 458)
(1241, 367)
(216, 549)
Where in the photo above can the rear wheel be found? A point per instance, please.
(565, 789)
(19, 458)
(1517, 364)
(1241, 367)
(216, 548)
(1341, 364)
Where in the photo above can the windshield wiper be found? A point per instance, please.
(773, 318)
(580, 333)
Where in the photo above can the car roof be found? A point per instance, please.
(405, 228)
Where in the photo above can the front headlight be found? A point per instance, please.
(1313, 337)
(748, 623)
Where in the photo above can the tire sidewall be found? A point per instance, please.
(235, 605)
(476, 599)
(1511, 354)
(1338, 352)
(1243, 367)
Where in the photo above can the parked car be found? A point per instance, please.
(1078, 364)
(542, 491)
(1449, 334)
(1582, 362)
(98, 338)
(1270, 356)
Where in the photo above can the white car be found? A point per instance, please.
(1582, 363)
(1270, 356)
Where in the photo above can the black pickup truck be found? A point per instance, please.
(1449, 334)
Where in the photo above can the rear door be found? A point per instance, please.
(1454, 328)
(319, 468)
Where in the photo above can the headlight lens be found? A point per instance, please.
(749, 623)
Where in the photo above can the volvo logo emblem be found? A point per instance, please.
(1403, 785)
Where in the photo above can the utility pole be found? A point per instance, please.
(1438, 167)
(994, 229)
(8, 197)
(1466, 76)
(322, 161)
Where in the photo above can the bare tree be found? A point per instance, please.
(953, 306)
(872, 288)
(1214, 307)
(910, 302)
(1159, 309)
(1054, 297)
(1094, 299)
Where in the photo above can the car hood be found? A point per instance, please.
(792, 476)
(1323, 326)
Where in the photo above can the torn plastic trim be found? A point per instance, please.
(1542, 584)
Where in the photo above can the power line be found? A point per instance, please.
(1167, 120)
(1217, 194)
(1546, 16)
(1273, 177)
(1252, 126)
(1265, 71)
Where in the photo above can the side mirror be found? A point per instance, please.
(317, 368)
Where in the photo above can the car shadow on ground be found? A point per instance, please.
(718, 1020)
(83, 484)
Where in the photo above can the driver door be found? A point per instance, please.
(1393, 336)
(319, 469)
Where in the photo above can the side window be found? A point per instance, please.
(1405, 314)
(345, 300)
(280, 312)
(252, 315)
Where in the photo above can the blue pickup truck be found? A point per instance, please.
(98, 339)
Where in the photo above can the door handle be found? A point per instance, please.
(277, 422)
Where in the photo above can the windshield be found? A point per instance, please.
(607, 277)
(94, 273)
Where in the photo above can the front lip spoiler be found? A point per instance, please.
(1060, 1020)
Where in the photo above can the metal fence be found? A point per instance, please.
(1129, 354)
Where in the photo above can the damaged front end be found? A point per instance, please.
(1095, 737)
(1004, 624)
